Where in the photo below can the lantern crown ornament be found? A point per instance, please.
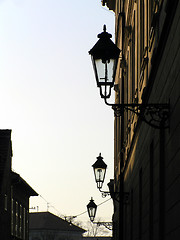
(105, 56)
(104, 49)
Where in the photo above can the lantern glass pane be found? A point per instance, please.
(105, 71)
(110, 68)
(100, 71)
(92, 212)
(99, 174)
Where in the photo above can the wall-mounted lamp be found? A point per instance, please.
(105, 55)
(99, 168)
(92, 208)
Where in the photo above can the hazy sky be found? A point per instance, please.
(48, 97)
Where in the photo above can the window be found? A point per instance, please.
(5, 202)
(24, 223)
(27, 224)
(151, 190)
(131, 227)
(20, 221)
(133, 61)
(17, 220)
(151, 9)
(126, 96)
(141, 29)
(140, 204)
(12, 217)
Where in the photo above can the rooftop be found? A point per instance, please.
(48, 221)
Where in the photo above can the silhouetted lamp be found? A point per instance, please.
(91, 208)
(99, 171)
(105, 56)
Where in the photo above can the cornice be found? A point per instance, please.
(110, 4)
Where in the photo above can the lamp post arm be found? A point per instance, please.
(104, 193)
(115, 196)
(151, 113)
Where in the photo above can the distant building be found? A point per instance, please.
(47, 226)
(97, 238)
(14, 195)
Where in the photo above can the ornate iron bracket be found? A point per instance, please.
(107, 225)
(104, 193)
(115, 196)
(155, 115)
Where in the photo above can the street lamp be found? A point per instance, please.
(91, 208)
(105, 55)
(99, 171)
(99, 168)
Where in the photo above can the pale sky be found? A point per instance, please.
(49, 98)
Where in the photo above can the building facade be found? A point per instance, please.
(14, 195)
(47, 226)
(147, 158)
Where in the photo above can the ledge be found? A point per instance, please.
(109, 4)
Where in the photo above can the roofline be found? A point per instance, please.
(18, 179)
(78, 230)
